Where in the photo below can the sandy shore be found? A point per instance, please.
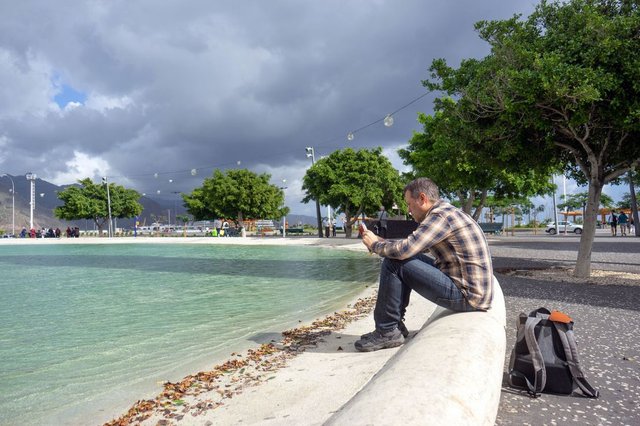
(301, 379)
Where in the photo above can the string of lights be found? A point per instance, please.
(387, 120)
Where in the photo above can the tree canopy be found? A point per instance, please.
(89, 201)
(475, 171)
(354, 182)
(567, 81)
(237, 194)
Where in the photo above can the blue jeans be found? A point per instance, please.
(399, 277)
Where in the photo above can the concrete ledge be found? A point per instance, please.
(450, 373)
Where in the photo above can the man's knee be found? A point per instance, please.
(391, 265)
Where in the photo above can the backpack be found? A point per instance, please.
(545, 356)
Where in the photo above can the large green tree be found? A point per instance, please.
(354, 182)
(237, 194)
(456, 154)
(569, 77)
(90, 201)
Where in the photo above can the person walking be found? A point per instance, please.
(614, 224)
(458, 275)
(382, 222)
(623, 222)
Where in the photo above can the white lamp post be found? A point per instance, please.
(106, 182)
(13, 205)
(31, 177)
(284, 217)
(311, 154)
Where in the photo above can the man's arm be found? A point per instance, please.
(430, 232)
(369, 238)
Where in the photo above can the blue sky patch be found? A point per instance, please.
(69, 94)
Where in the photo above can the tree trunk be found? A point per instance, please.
(240, 220)
(348, 227)
(478, 211)
(100, 225)
(349, 221)
(634, 204)
(318, 218)
(467, 203)
(583, 263)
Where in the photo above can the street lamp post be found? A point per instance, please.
(106, 182)
(284, 216)
(311, 154)
(31, 177)
(13, 205)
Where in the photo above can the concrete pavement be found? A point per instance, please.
(606, 319)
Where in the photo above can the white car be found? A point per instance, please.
(570, 226)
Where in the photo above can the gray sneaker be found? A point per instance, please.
(403, 329)
(380, 340)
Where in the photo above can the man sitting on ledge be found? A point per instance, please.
(460, 277)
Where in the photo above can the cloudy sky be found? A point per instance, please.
(150, 93)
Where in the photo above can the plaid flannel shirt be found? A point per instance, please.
(459, 247)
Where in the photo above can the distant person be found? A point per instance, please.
(327, 226)
(68, 232)
(333, 226)
(32, 233)
(614, 224)
(457, 275)
(623, 222)
(217, 224)
(382, 222)
(58, 232)
(23, 233)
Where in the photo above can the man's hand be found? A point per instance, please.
(369, 238)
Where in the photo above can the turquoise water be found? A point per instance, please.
(89, 329)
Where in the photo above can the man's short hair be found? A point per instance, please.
(422, 185)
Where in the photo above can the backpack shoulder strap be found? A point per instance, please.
(571, 352)
(540, 374)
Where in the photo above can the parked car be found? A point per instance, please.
(570, 226)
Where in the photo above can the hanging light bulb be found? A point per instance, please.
(155, 175)
(194, 172)
(238, 162)
(350, 136)
(158, 191)
(170, 180)
(388, 120)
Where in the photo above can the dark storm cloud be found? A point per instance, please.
(178, 85)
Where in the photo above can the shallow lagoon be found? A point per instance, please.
(89, 329)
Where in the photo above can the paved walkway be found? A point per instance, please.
(606, 318)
